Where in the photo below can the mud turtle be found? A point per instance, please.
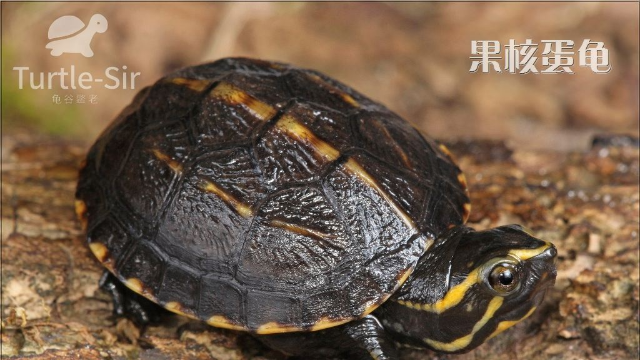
(262, 197)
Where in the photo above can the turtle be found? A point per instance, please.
(261, 197)
(72, 36)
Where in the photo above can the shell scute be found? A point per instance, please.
(219, 297)
(145, 265)
(179, 284)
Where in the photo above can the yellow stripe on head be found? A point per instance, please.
(455, 295)
(452, 298)
(504, 325)
(464, 341)
(525, 254)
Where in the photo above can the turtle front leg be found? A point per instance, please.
(128, 303)
(363, 339)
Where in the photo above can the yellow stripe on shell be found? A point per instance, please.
(360, 172)
(178, 308)
(525, 254)
(305, 231)
(241, 208)
(346, 97)
(466, 212)
(404, 275)
(81, 212)
(174, 306)
(193, 84)
(293, 128)
(504, 325)
(462, 180)
(464, 341)
(325, 323)
(296, 130)
(445, 150)
(276, 328)
(222, 322)
(100, 251)
(136, 285)
(396, 147)
(235, 96)
(174, 165)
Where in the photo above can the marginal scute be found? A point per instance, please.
(445, 150)
(174, 306)
(81, 212)
(137, 286)
(403, 276)
(463, 181)
(180, 309)
(100, 251)
(325, 323)
(276, 328)
(109, 234)
(466, 208)
(222, 322)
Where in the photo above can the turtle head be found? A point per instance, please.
(98, 23)
(471, 286)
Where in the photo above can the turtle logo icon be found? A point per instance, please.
(71, 36)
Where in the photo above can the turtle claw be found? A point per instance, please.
(127, 303)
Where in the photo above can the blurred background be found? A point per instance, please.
(413, 57)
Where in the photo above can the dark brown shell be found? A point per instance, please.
(263, 197)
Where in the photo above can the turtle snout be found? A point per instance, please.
(549, 254)
(547, 266)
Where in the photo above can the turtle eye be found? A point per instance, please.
(504, 278)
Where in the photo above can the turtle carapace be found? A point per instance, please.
(261, 197)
